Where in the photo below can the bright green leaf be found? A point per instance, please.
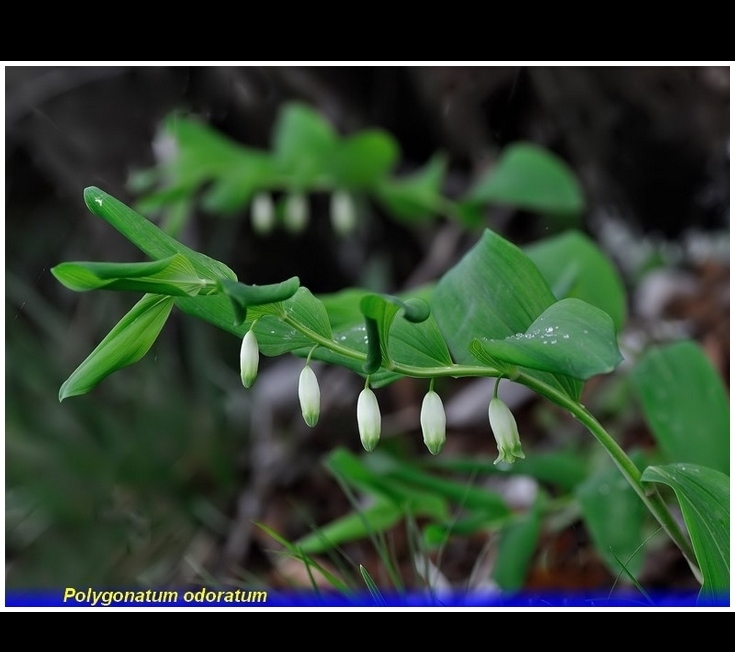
(685, 404)
(245, 296)
(531, 178)
(173, 276)
(148, 237)
(574, 267)
(571, 337)
(125, 344)
(494, 292)
(704, 497)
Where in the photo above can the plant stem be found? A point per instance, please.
(649, 495)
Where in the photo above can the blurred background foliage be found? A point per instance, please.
(156, 476)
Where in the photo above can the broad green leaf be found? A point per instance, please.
(571, 337)
(574, 267)
(518, 541)
(531, 178)
(125, 344)
(704, 497)
(378, 517)
(362, 160)
(173, 276)
(494, 292)
(303, 143)
(417, 196)
(148, 237)
(685, 404)
(614, 515)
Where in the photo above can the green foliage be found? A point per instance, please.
(685, 405)
(704, 496)
(546, 317)
(529, 177)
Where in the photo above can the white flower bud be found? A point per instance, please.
(296, 213)
(343, 213)
(433, 422)
(262, 213)
(505, 429)
(249, 358)
(368, 419)
(309, 396)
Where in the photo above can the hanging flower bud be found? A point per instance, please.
(296, 213)
(249, 358)
(309, 396)
(368, 419)
(505, 429)
(433, 422)
(343, 213)
(262, 213)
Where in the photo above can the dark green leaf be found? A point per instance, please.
(571, 337)
(685, 404)
(574, 267)
(531, 178)
(125, 344)
(704, 496)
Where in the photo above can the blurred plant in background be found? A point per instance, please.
(148, 521)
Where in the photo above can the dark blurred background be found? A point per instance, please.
(154, 477)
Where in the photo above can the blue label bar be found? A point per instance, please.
(204, 597)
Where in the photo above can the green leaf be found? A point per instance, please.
(303, 143)
(362, 160)
(685, 404)
(614, 515)
(378, 517)
(173, 276)
(494, 292)
(571, 337)
(380, 312)
(125, 344)
(276, 337)
(417, 196)
(244, 296)
(518, 541)
(531, 178)
(704, 496)
(574, 267)
(148, 237)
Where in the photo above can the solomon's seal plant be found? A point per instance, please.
(492, 315)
